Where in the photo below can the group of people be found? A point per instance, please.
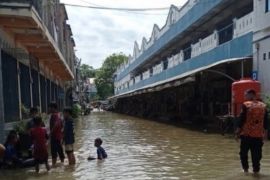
(61, 131)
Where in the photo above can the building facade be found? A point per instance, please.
(261, 44)
(37, 57)
(186, 68)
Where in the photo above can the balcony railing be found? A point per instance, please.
(243, 25)
(228, 50)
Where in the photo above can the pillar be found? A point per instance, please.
(19, 90)
(2, 115)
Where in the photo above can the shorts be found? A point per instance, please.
(69, 148)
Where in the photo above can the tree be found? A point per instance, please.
(87, 71)
(104, 76)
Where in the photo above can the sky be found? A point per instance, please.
(100, 33)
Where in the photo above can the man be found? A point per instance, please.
(252, 129)
(56, 127)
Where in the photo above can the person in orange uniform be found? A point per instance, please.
(252, 130)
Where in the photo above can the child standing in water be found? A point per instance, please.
(39, 136)
(69, 135)
(56, 134)
(101, 153)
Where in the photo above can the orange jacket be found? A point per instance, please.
(254, 124)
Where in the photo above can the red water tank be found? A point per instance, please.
(238, 93)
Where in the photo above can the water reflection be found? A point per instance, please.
(139, 149)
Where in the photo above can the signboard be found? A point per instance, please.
(255, 75)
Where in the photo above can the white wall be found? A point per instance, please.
(261, 44)
(262, 19)
(263, 65)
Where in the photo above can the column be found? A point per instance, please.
(2, 115)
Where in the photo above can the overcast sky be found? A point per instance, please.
(99, 33)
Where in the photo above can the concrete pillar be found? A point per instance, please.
(2, 114)
(30, 84)
(19, 90)
(39, 93)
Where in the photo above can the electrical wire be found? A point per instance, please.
(120, 9)
(130, 12)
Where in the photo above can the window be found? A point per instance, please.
(264, 56)
(267, 9)
(269, 55)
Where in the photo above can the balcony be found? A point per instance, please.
(219, 54)
(25, 22)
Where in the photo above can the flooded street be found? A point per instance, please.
(141, 149)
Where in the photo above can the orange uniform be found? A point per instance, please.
(254, 120)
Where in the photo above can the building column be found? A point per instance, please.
(30, 84)
(19, 90)
(2, 114)
(39, 93)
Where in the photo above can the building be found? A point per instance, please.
(261, 43)
(37, 57)
(185, 69)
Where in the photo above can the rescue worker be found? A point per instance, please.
(252, 130)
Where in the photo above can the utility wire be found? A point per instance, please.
(120, 9)
(130, 12)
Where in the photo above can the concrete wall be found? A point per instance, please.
(261, 44)
(261, 16)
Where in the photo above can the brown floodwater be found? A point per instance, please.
(139, 149)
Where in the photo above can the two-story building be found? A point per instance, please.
(184, 71)
(37, 57)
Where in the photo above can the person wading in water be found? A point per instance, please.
(252, 130)
(56, 126)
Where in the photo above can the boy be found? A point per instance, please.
(30, 124)
(56, 127)
(69, 135)
(39, 136)
(101, 153)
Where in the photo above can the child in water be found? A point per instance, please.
(39, 136)
(101, 153)
(69, 135)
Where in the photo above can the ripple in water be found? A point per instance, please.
(141, 150)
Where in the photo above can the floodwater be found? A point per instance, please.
(140, 149)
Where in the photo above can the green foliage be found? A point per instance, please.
(87, 71)
(104, 76)
(20, 127)
(76, 111)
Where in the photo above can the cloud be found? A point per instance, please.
(99, 33)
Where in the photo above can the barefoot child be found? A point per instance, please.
(69, 135)
(39, 136)
(101, 153)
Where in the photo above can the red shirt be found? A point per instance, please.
(56, 126)
(39, 136)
